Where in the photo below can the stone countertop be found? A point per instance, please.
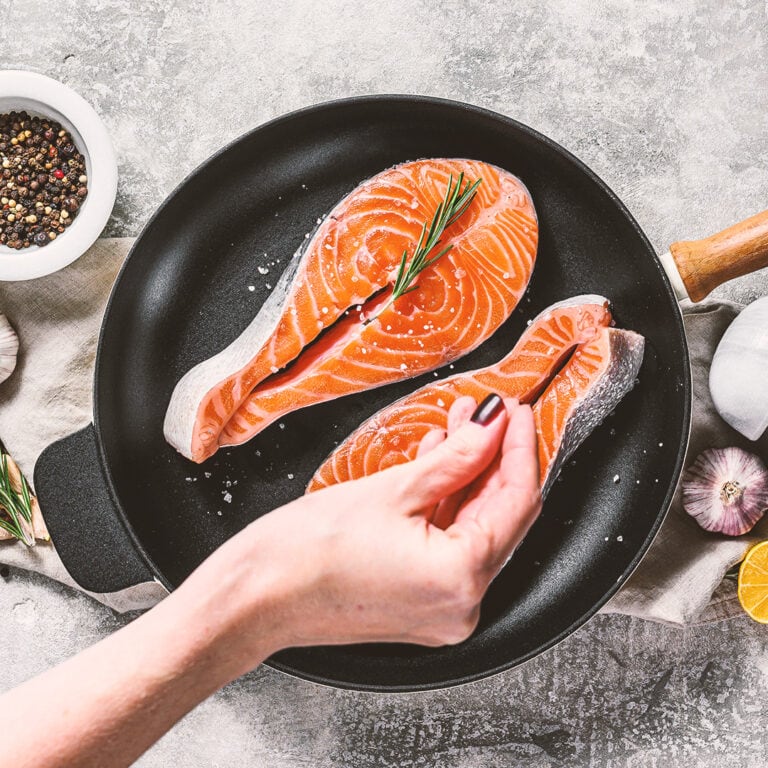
(668, 102)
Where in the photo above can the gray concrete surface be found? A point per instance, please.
(667, 101)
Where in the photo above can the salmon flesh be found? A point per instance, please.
(310, 341)
(569, 363)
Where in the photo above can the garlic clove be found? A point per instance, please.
(9, 348)
(726, 490)
(739, 371)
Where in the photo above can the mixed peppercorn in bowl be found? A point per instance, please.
(43, 180)
(58, 175)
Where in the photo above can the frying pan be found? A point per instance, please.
(123, 507)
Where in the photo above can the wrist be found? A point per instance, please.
(240, 606)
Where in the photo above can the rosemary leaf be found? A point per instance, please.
(15, 507)
(453, 205)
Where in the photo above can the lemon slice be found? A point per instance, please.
(753, 582)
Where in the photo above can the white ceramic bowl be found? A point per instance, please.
(44, 97)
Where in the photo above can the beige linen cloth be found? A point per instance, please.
(680, 581)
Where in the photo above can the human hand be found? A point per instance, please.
(403, 555)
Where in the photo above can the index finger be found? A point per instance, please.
(501, 516)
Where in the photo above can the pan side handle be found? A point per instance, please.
(734, 252)
(82, 518)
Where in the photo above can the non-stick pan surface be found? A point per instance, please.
(185, 292)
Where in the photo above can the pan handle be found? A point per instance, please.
(736, 251)
(82, 518)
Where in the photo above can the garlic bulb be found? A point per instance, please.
(9, 348)
(740, 369)
(726, 490)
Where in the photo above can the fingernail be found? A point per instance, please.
(487, 411)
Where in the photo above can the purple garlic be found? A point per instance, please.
(726, 490)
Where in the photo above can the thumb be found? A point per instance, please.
(459, 459)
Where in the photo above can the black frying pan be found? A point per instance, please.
(117, 499)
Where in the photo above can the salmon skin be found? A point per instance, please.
(334, 283)
(591, 384)
(393, 434)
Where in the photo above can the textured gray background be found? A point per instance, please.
(667, 101)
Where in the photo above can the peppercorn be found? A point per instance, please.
(35, 206)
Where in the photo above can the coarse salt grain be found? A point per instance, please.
(262, 270)
(251, 288)
(616, 479)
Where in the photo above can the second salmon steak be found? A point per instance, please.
(340, 278)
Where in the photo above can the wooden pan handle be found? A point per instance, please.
(736, 251)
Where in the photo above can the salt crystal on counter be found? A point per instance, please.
(251, 288)
(263, 270)
(290, 475)
(207, 474)
(281, 425)
(616, 479)
(619, 538)
(227, 496)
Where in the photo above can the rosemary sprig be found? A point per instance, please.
(15, 506)
(453, 205)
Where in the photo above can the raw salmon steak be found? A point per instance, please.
(341, 277)
(392, 435)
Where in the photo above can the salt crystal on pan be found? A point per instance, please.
(251, 288)
(616, 479)
(262, 270)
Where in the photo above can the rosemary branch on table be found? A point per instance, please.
(453, 205)
(15, 505)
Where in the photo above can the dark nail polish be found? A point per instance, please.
(487, 410)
